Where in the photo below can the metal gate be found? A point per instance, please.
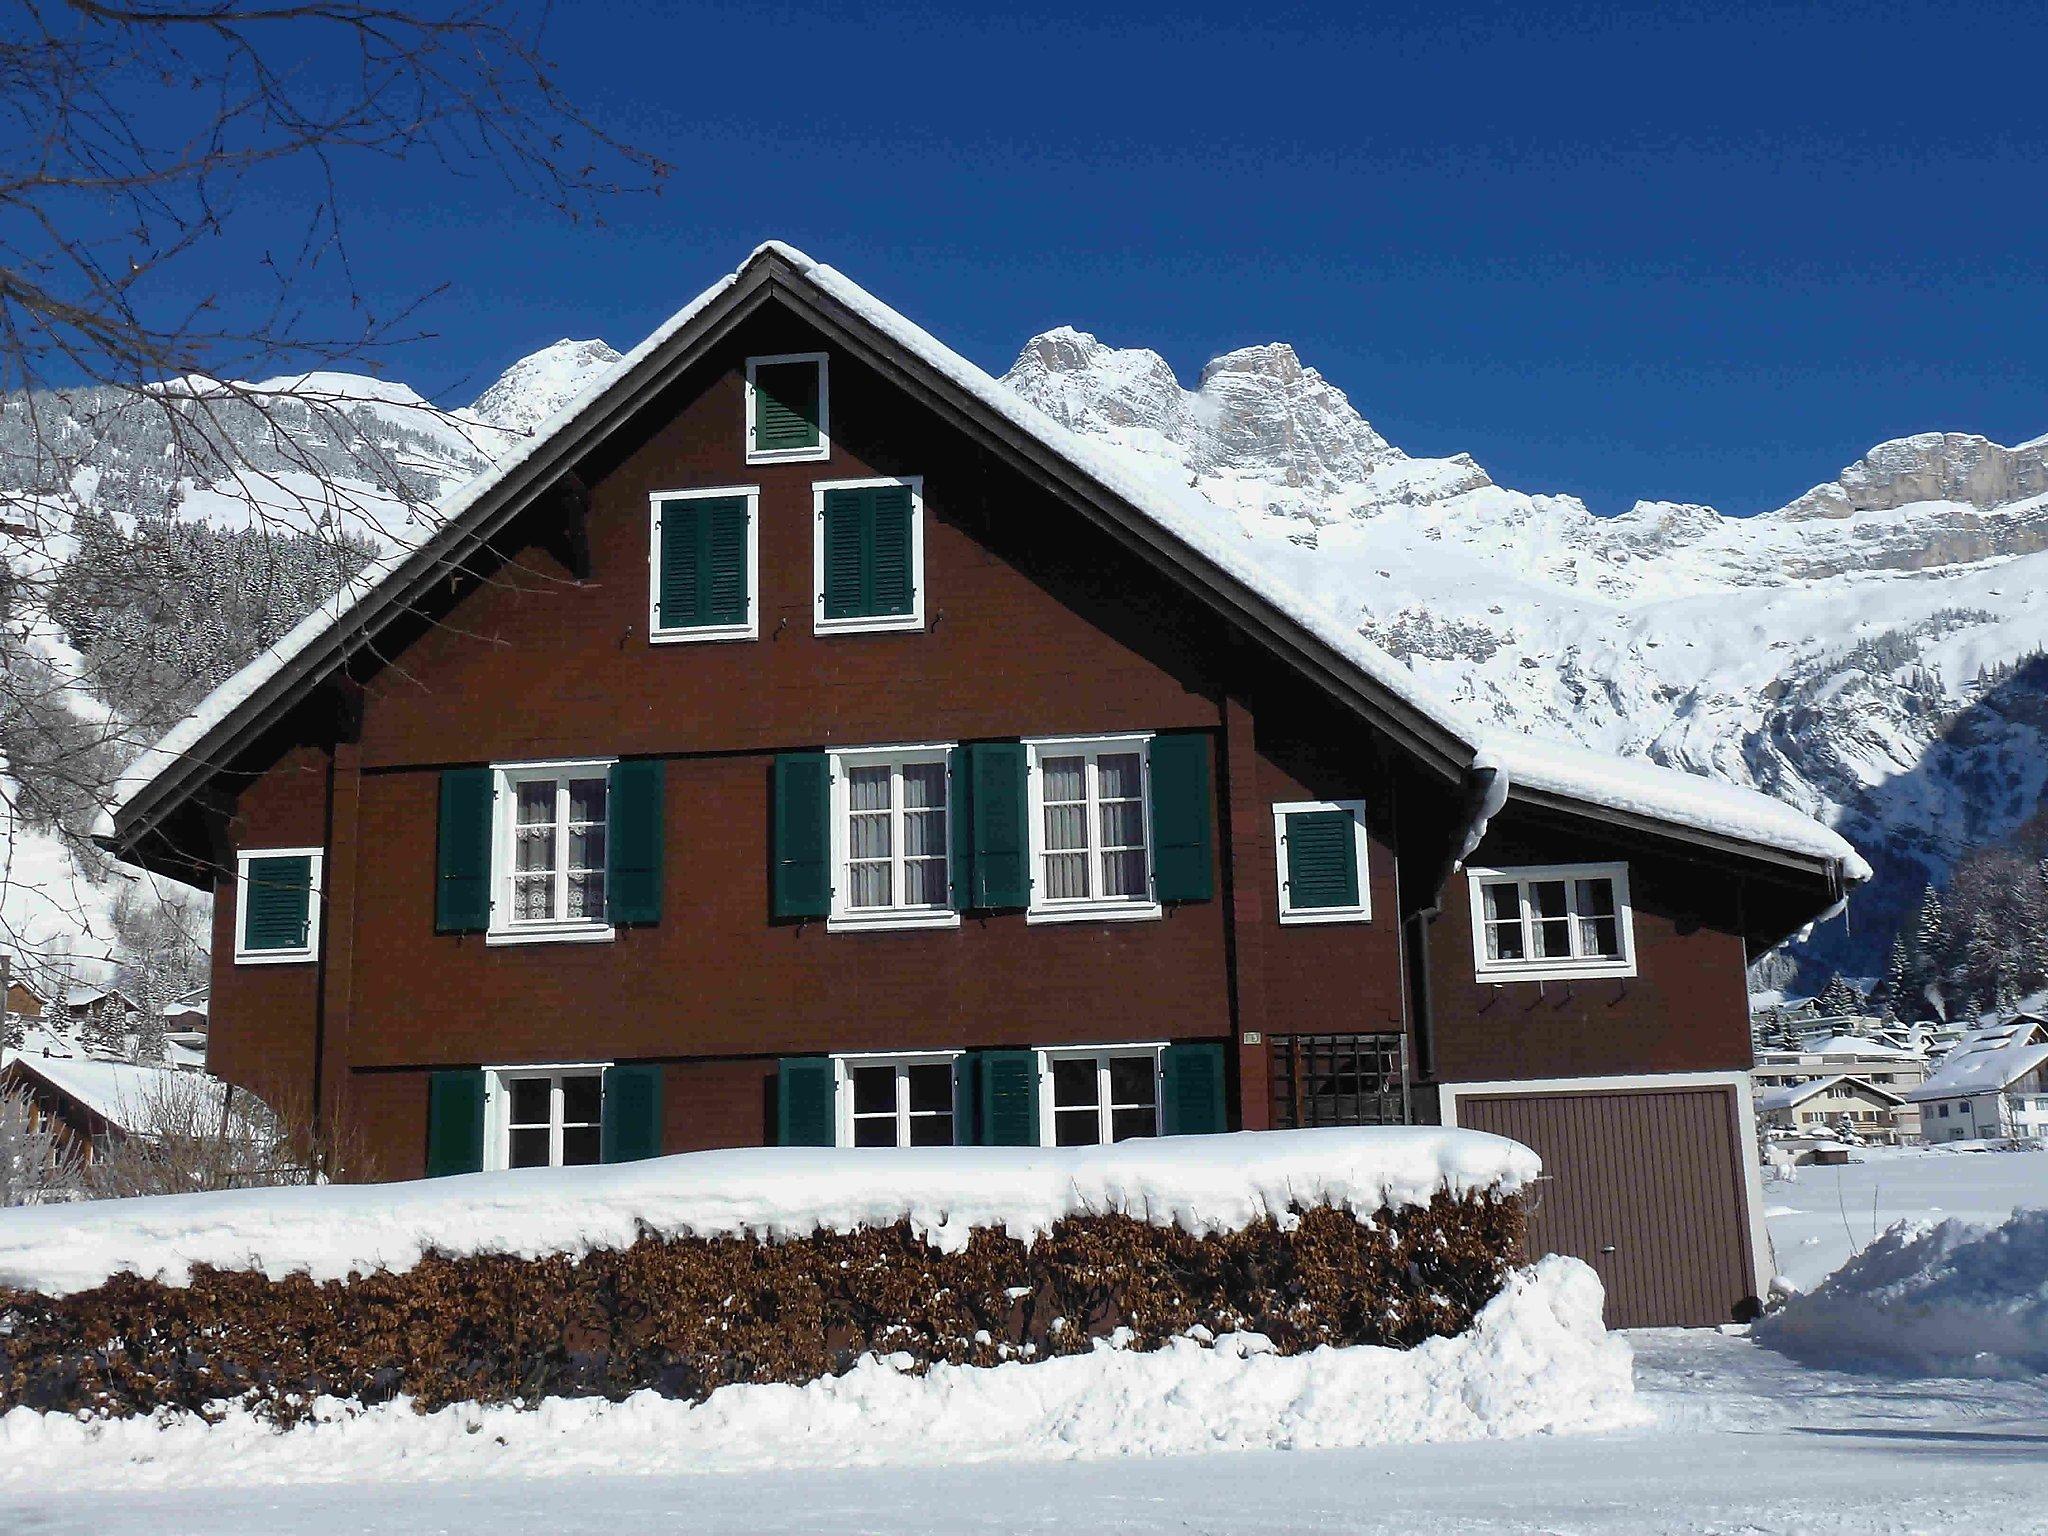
(1648, 1186)
(1339, 1080)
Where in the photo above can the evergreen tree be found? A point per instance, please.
(1838, 997)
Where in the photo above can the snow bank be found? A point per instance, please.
(1199, 1183)
(1536, 1361)
(1948, 1300)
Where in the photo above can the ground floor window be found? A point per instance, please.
(548, 1117)
(896, 1101)
(1092, 1097)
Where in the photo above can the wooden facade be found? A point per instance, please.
(1037, 621)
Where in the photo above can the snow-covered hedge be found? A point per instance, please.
(1955, 1299)
(1198, 1183)
(1536, 1361)
(689, 1274)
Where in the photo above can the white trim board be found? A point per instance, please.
(1761, 1261)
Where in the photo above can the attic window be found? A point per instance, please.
(788, 408)
(277, 905)
(1552, 922)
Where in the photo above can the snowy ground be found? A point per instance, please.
(1746, 1442)
(1826, 1214)
(1743, 1441)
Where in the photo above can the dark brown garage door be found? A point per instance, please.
(1647, 1186)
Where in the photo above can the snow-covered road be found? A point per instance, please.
(1746, 1442)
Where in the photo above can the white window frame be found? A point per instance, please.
(1550, 967)
(1048, 1135)
(865, 623)
(842, 1095)
(823, 450)
(1089, 908)
(683, 634)
(302, 955)
(556, 930)
(844, 915)
(498, 1108)
(1361, 911)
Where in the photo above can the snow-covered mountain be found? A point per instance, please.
(1862, 652)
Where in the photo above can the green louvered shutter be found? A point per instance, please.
(1001, 825)
(786, 414)
(462, 890)
(805, 1087)
(801, 877)
(870, 552)
(1322, 860)
(633, 842)
(846, 555)
(1193, 1089)
(277, 903)
(890, 589)
(960, 827)
(455, 1122)
(1006, 1092)
(704, 578)
(630, 1129)
(1181, 818)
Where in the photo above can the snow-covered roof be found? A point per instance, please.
(1983, 1064)
(1199, 1183)
(1508, 760)
(1844, 1046)
(1798, 1093)
(117, 1091)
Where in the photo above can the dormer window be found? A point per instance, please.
(788, 408)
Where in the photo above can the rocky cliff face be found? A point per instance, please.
(1853, 652)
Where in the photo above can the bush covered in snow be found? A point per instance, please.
(685, 1274)
(1950, 1300)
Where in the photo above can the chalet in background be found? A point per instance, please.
(806, 740)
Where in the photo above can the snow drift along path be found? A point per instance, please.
(1536, 1361)
(1199, 1183)
(1949, 1300)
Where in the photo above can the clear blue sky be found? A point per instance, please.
(1699, 252)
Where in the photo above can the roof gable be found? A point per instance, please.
(1131, 499)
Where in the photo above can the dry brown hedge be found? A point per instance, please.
(683, 1316)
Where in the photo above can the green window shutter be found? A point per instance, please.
(1181, 818)
(703, 562)
(631, 1123)
(1322, 860)
(801, 877)
(960, 827)
(870, 541)
(633, 841)
(277, 903)
(1006, 1094)
(1001, 825)
(455, 1123)
(890, 589)
(1193, 1089)
(805, 1087)
(462, 891)
(785, 407)
(846, 536)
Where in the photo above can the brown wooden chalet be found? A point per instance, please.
(805, 740)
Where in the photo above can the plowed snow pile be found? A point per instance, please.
(1950, 1300)
(1538, 1361)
